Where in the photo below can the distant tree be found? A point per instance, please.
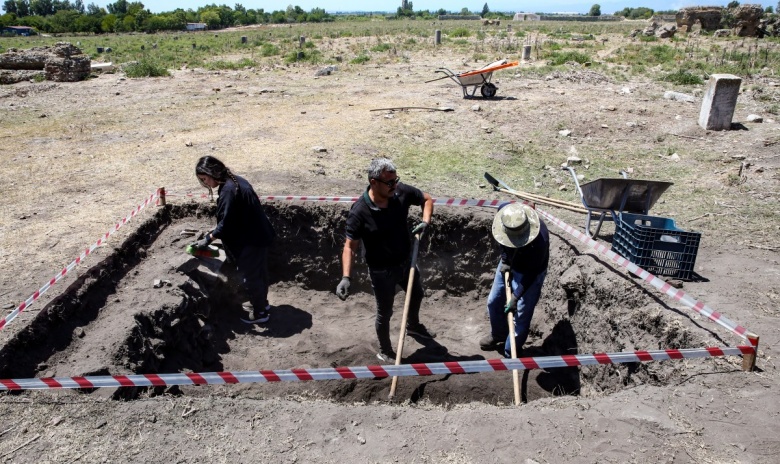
(94, 10)
(78, 5)
(119, 7)
(442, 12)
(211, 18)
(9, 6)
(22, 8)
(485, 10)
(41, 7)
(769, 10)
(732, 4)
(465, 12)
(595, 10)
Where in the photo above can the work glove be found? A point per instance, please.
(203, 243)
(511, 306)
(342, 290)
(420, 228)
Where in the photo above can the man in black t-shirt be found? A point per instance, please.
(378, 219)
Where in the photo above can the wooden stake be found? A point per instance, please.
(402, 336)
(510, 318)
(161, 196)
(749, 360)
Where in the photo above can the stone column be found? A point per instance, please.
(720, 99)
(437, 37)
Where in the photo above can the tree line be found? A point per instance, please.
(64, 16)
(60, 16)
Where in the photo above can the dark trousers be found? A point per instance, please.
(252, 263)
(384, 283)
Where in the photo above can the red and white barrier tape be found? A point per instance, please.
(339, 199)
(366, 372)
(26, 304)
(659, 284)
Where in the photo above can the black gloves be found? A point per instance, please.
(342, 290)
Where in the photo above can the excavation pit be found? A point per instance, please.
(150, 308)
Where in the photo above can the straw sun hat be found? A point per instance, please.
(515, 225)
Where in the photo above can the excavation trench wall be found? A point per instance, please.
(148, 307)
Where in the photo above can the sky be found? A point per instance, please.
(549, 6)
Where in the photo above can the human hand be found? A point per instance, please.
(511, 307)
(420, 228)
(503, 268)
(342, 290)
(202, 243)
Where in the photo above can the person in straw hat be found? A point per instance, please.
(525, 253)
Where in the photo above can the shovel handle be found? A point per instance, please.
(510, 318)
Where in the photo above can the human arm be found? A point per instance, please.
(347, 257)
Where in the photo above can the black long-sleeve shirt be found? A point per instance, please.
(241, 220)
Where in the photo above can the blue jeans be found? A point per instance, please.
(384, 282)
(499, 327)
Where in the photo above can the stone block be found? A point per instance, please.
(719, 101)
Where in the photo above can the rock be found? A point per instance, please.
(674, 157)
(158, 283)
(564, 133)
(319, 149)
(738, 157)
(563, 188)
(78, 332)
(631, 124)
(722, 33)
(677, 96)
(666, 31)
(754, 118)
(573, 161)
(476, 108)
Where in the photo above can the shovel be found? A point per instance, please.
(510, 318)
(503, 187)
(400, 351)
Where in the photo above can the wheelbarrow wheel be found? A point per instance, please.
(488, 90)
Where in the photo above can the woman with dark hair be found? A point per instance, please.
(244, 229)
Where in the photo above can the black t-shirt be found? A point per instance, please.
(241, 220)
(384, 231)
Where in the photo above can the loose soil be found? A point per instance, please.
(78, 156)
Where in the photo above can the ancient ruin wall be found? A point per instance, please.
(62, 62)
(708, 16)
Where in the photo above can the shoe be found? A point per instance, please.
(420, 330)
(386, 356)
(490, 342)
(260, 316)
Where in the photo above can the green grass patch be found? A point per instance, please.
(360, 59)
(559, 58)
(460, 32)
(683, 77)
(146, 68)
(383, 47)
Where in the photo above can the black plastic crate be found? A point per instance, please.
(656, 245)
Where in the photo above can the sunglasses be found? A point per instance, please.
(390, 183)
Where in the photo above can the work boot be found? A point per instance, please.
(257, 316)
(489, 343)
(386, 356)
